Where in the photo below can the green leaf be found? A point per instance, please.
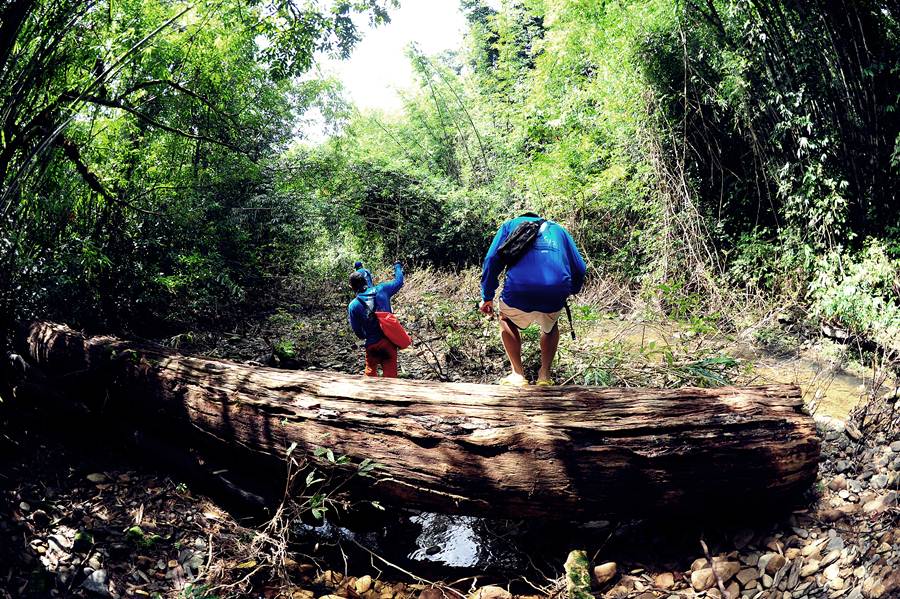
(311, 479)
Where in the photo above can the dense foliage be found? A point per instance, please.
(151, 175)
(135, 135)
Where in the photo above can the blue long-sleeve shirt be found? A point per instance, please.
(548, 273)
(378, 299)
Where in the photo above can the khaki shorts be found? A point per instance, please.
(522, 319)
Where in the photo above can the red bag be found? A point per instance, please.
(393, 330)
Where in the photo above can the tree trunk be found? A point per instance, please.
(565, 452)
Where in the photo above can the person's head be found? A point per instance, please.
(358, 265)
(358, 282)
(531, 214)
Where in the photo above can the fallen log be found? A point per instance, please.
(564, 452)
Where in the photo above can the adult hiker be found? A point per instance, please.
(364, 272)
(380, 351)
(543, 270)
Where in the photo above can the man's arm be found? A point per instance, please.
(576, 263)
(491, 269)
(355, 322)
(392, 287)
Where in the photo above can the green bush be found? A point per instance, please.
(860, 291)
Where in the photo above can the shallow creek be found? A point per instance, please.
(830, 386)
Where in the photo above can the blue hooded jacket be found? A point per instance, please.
(365, 272)
(547, 274)
(378, 299)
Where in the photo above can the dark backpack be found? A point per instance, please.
(519, 242)
(517, 245)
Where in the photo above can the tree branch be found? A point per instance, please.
(73, 153)
(157, 124)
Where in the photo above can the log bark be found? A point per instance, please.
(565, 452)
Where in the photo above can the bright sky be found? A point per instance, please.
(378, 66)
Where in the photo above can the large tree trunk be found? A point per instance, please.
(566, 452)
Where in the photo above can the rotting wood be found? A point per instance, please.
(562, 452)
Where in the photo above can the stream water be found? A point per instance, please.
(830, 383)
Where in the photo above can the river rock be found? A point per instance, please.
(363, 584)
(733, 590)
(835, 542)
(878, 481)
(810, 568)
(491, 592)
(664, 581)
(812, 549)
(605, 572)
(704, 578)
(832, 515)
(97, 583)
(852, 431)
(773, 561)
(876, 588)
(880, 503)
(746, 575)
(833, 571)
(838, 483)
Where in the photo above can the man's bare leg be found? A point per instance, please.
(549, 343)
(512, 343)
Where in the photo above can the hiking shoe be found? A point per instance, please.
(545, 383)
(514, 380)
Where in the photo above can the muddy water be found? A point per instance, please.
(829, 385)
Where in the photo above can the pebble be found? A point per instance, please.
(836, 542)
(774, 562)
(746, 575)
(665, 581)
(704, 578)
(604, 573)
(491, 592)
(879, 481)
(96, 582)
(831, 557)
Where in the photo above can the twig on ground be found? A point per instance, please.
(715, 574)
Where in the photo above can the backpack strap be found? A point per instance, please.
(371, 310)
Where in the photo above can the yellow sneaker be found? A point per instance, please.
(544, 383)
(514, 380)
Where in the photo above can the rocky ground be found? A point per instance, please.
(87, 523)
(77, 520)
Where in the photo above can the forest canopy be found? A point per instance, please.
(153, 175)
